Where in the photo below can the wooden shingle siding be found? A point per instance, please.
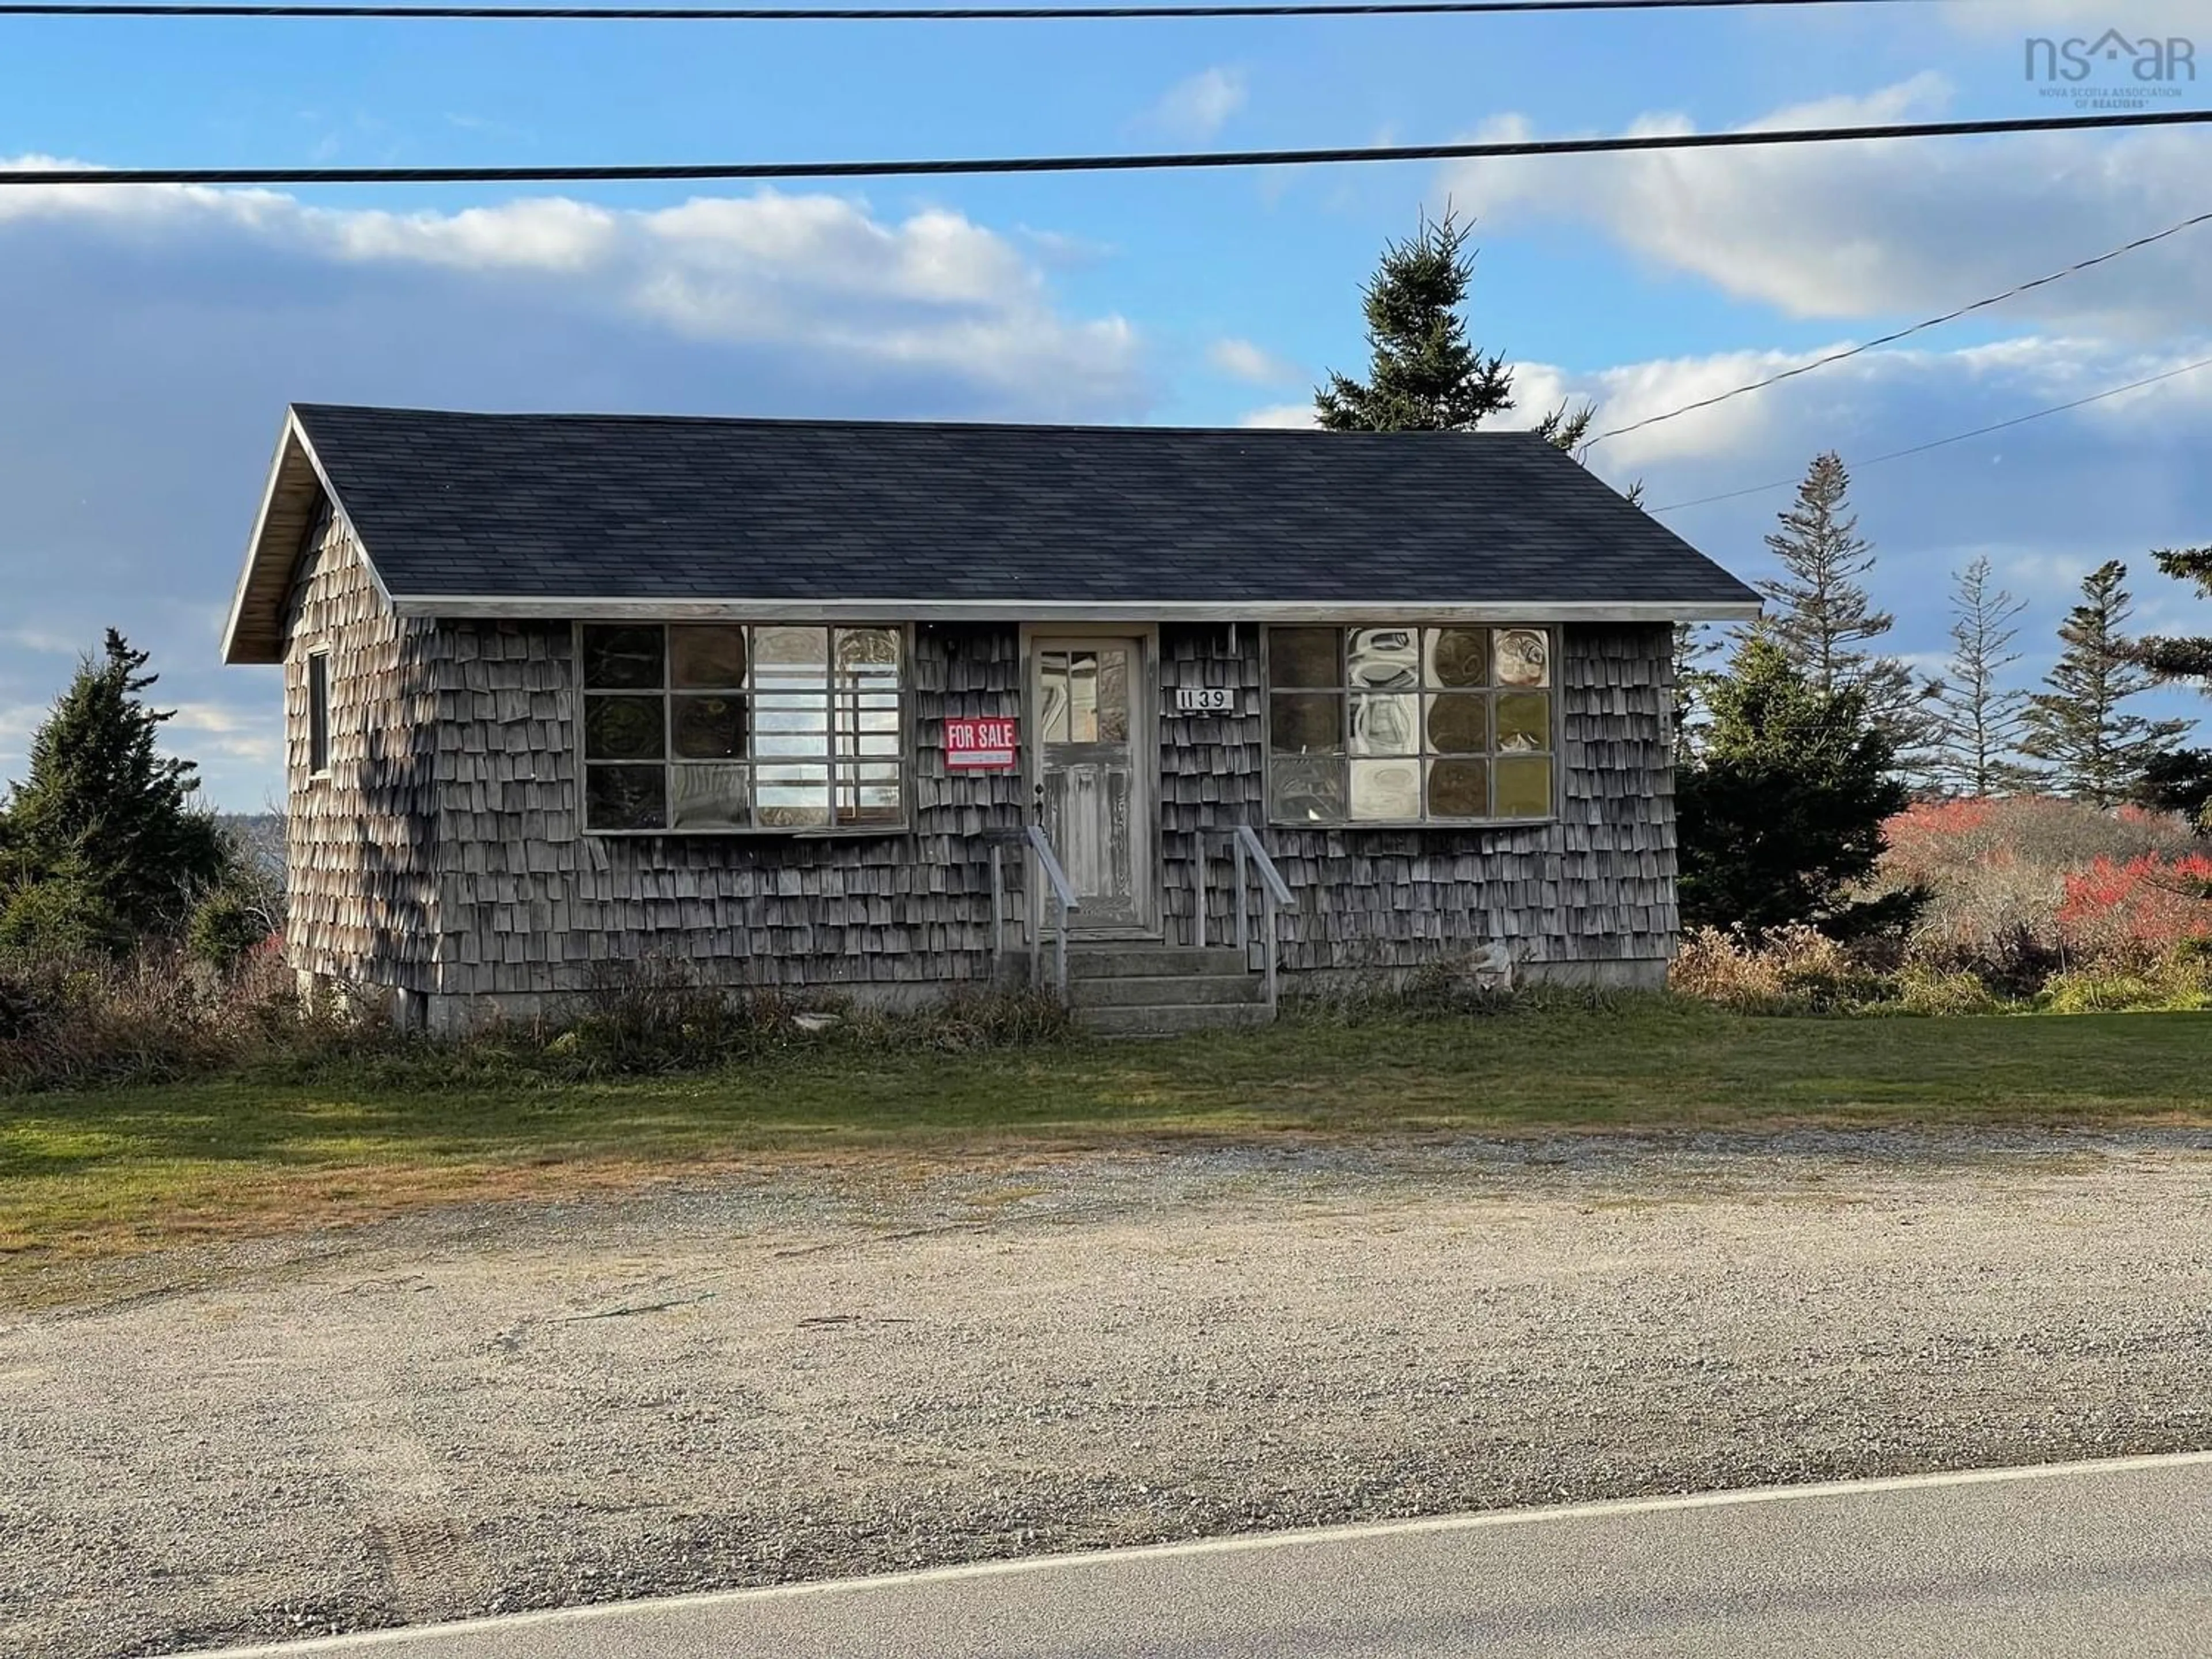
(358, 841)
(1597, 886)
(528, 903)
(444, 856)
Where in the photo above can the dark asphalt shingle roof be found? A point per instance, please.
(628, 507)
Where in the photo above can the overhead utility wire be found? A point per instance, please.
(917, 14)
(1902, 333)
(1246, 158)
(1956, 438)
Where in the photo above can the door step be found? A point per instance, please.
(1173, 1019)
(1143, 989)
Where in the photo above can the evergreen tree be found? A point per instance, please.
(1423, 375)
(2182, 782)
(1781, 816)
(1691, 679)
(2097, 753)
(2179, 782)
(2186, 658)
(101, 844)
(1979, 722)
(1822, 617)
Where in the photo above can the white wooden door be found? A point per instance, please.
(1095, 763)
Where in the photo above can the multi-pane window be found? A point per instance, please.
(1449, 725)
(724, 726)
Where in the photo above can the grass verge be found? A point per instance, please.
(101, 1173)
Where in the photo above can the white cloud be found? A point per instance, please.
(1200, 106)
(232, 733)
(813, 273)
(42, 641)
(1284, 416)
(1881, 228)
(1242, 360)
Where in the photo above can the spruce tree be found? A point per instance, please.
(2182, 782)
(101, 844)
(1781, 816)
(1980, 723)
(1822, 617)
(1423, 375)
(2097, 753)
(1692, 681)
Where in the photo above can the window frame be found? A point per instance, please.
(319, 713)
(906, 760)
(1553, 633)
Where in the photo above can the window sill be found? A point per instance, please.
(834, 832)
(1413, 824)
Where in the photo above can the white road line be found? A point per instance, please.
(1478, 1522)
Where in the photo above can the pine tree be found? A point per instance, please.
(2098, 754)
(101, 844)
(1979, 722)
(1781, 816)
(1823, 617)
(1423, 375)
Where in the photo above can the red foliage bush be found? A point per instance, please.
(2142, 908)
(2021, 885)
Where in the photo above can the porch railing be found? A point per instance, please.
(1042, 870)
(1251, 858)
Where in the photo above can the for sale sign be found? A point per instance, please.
(985, 745)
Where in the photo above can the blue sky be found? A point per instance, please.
(154, 336)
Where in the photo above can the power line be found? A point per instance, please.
(919, 14)
(1902, 333)
(1011, 164)
(1956, 438)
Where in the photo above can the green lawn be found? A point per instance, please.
(96, 1173)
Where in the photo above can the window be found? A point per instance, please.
(1410, 725)
(319, 713)
(725, 727)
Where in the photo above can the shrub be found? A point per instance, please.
(90, 1020)
(2021, 889)
(226, 925)
(2139, 910)
(2180, 981)
(1789, 970)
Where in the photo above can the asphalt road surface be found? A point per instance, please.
(2074, 1560)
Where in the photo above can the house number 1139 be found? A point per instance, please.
(1205, 700)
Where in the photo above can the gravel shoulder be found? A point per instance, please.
(814, 1370)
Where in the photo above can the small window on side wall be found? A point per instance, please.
(318, 714)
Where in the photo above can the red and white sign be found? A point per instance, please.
(979, 746)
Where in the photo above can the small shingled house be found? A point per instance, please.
(874, 708)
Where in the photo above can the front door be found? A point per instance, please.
(1094, 756)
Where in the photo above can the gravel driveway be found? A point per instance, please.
(807, 1372)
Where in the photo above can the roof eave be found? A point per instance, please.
(296, 479)
(601, 608)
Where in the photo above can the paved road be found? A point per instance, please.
(2112, 1558)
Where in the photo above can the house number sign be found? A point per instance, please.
(984, 746)
(1205, 700)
